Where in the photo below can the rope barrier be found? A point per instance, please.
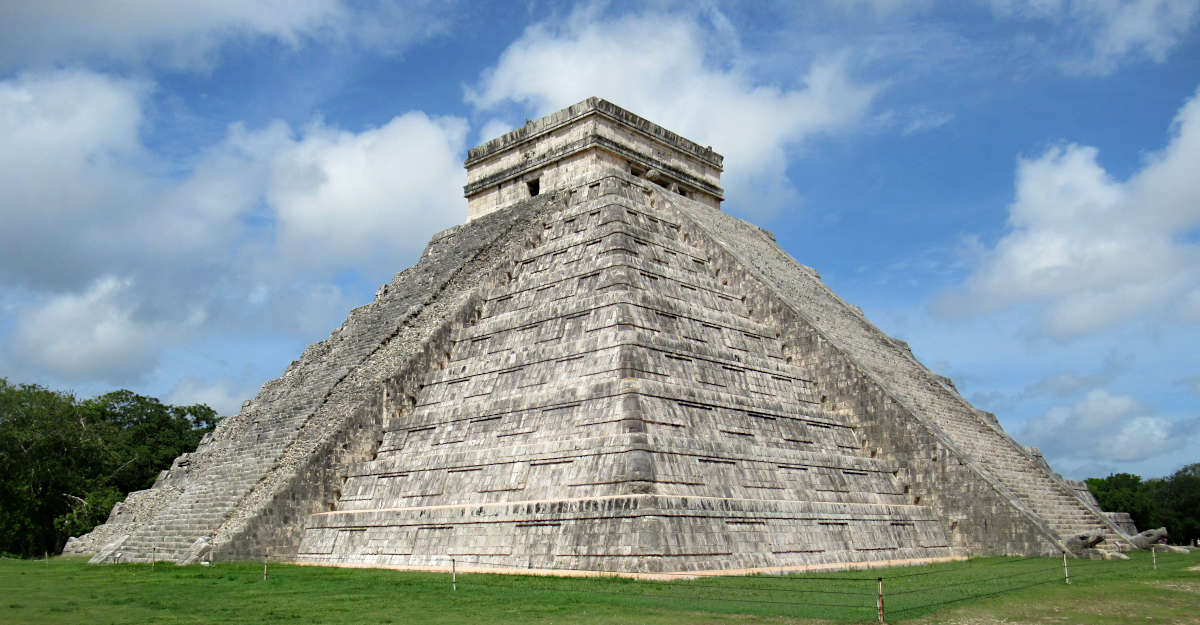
(789, 593)
(971, 582)
(654, 595)
(978, 596)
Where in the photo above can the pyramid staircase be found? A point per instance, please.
(615, 407)
(246, 490)
(1028, 481)
(231, 468)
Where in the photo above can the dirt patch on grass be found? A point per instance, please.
(1182, 586)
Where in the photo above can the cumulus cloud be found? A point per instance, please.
(358, 197)
(668, 68)
(493, 128)
(186, 33)
(1106, 427)
(68, 167)
(1112, 31)
(1091, 250)
(115, 261)
(98, 333)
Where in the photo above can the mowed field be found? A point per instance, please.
(976, 592)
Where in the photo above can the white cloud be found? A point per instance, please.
(186, 33)
(1113, 31)
(223, 395)
(96, 334)
(116, 261)
(180, 33)
(359, 197)
(1094, 251)
(66, 165)
(925, 120)
(493, 128)
(1106, 428)
(669, 68)
(1150, 26)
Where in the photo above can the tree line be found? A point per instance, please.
(64, 462)
(1172, 502)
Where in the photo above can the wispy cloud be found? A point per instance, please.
(187, 34)
(1069, 383)
(1191, 384)
(1112, 32)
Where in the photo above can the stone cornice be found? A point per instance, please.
(592, 106)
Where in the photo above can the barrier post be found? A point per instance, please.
(1154, 555)
(1066, 569)
(266, 556)
(453, 575)
(880, 595)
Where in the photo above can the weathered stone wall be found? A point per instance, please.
(1123, 521)
(555, 149)
(1120, 519)
(260, 473)
(607, 376)
(310, 480)
(904, 410)
(614, 408)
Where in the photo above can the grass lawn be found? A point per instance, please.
(980, 591)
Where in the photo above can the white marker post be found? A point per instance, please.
(880, 596)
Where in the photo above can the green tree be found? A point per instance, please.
(64, 463)
(146, 435)
(1179, 498)
(1124, 492)
(1172, 502)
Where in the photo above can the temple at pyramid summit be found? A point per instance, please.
(602, 371)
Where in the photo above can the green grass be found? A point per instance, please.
(983, 590)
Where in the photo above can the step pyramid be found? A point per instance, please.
(601, 371)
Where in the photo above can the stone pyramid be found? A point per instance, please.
(601, 371)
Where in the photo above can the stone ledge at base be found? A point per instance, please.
(467, 568)
(631, 533)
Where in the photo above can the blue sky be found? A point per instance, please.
(195, 191)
